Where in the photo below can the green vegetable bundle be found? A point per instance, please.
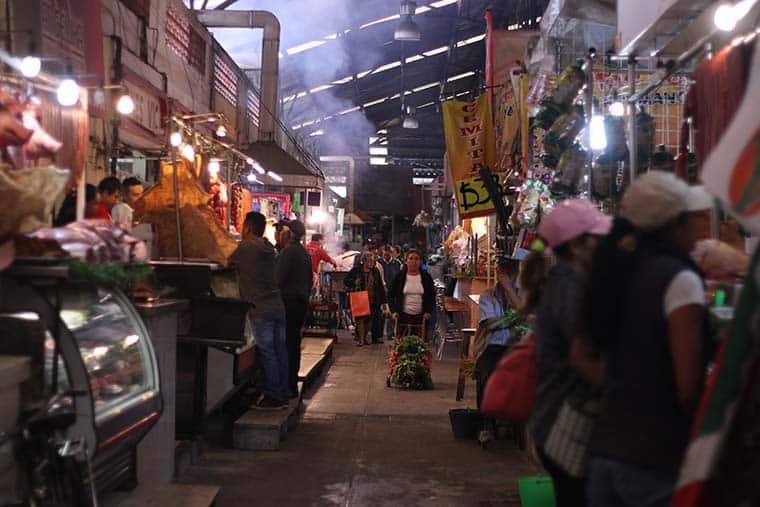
(410, 363)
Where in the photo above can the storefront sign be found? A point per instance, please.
(470, 144)
(147, 111)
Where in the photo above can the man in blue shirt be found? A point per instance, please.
(391, 264)
(492, 306)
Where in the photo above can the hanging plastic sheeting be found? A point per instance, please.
(575, 25)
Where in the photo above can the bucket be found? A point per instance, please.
(536, 491)
(465, 423)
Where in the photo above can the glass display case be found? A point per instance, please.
(114, 347)
(88, 344)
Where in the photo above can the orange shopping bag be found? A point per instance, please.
(360, 303)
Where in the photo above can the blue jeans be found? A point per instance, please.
(270, 342)
(612, 483)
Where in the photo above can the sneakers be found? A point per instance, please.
(267, 403)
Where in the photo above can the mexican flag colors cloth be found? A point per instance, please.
(713, 466)
(717, 468)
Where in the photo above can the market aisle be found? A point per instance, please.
(361, 443)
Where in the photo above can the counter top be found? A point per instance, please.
(161, 305)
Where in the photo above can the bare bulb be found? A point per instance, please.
(125, 104)
(597, 135)
(617, 108)
(188, 152)
(175, 139)
(31, 66)
(68, 92)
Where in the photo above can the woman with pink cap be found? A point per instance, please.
(571, 230)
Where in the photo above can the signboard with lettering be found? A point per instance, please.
(470, 144)
(148, 110)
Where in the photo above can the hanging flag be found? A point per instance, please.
(735, 372)
(470, 144)
(505, 50)
(732, 171)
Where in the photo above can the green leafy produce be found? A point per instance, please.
(410, 363)
(512, 320)
(124, 276)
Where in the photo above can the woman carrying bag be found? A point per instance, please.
(412, 297)
(367, 299)
(563, 414)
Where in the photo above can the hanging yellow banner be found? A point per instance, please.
(507, 126)
(470, 144)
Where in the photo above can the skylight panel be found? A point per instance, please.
(320, 88)
(471, 40)
(460, 76)
(375, 102)
(305, 46)
(387, 66)
(425, 87)
(378, 21)
(436, 51)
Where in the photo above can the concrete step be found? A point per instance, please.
(314, 353)
(164, 495)
(263, 430)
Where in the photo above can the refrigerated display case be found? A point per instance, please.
(93, 348)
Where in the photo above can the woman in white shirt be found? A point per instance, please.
(411, 297)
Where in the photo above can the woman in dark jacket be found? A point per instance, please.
(365, 276)
(412, 296)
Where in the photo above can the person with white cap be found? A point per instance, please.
(572, 231)
(647, 318)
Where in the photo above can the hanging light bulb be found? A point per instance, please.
(68, 92)
(274, 176)
(188, 152)
(31, 66)
(725, 18)
(175, 139)
(221, 131)
(251, 178)
(617, 108)
(213, 167)
(410, 119)
(597, 135)
(258, 168)
(727, 15)
(99, 96)
(125, 104)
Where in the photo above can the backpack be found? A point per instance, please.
(511, 389)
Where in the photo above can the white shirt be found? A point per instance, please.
(346, 260)
(413, 292)
(122, 214)
(685, 289)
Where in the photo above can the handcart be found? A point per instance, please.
(338, 292)
(322, 319)
(414, 358)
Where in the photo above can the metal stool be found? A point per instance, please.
(451, 334)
